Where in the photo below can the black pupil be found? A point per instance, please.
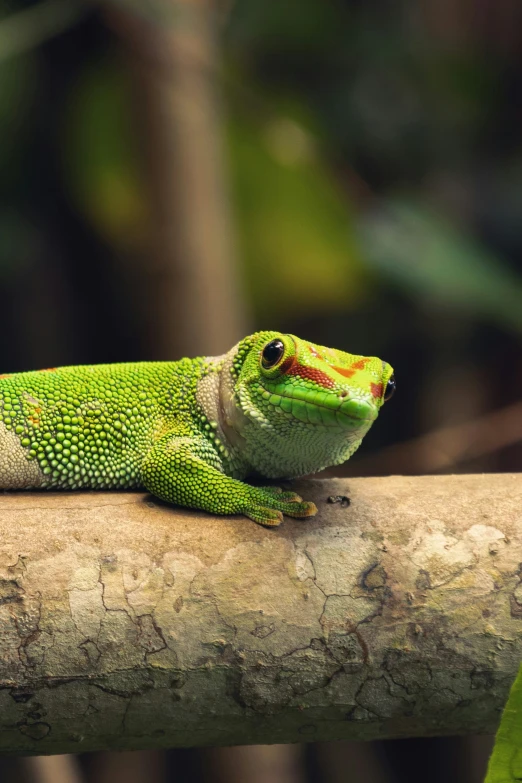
(390, 388)
(272, 353)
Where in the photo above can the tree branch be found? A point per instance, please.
(126, 623)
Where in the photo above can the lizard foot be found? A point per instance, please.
(268, 517)
(274, 503)
(282, 495)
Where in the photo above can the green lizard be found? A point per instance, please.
(191, 431)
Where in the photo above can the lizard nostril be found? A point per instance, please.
(343, 394)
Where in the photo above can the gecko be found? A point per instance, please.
(191, 431)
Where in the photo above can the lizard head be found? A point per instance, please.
(305, 403)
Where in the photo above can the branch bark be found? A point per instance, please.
(126, 623)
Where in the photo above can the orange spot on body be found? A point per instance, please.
(376, 389)
(6, 375)
(34, 417)
(361, 364)
(49, 369)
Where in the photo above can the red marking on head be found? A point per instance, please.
(6, 375)
(313, 350)
(361, 364)
(346, 372)
(310, 373)
(288, 362)
(376, 389)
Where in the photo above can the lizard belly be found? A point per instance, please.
(16, 471)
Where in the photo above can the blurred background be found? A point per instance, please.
(177, 173)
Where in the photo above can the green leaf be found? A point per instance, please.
(431, 258)
(295, 225)
(100, 151)
(505, 764)
(24, 30)
(18, 78)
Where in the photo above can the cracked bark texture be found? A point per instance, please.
(127, 623)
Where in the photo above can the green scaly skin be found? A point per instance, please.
(191, 431)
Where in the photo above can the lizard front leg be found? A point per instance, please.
(184, 470)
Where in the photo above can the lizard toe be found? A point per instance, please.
(268, 517)
(282, 496)
(299, 510)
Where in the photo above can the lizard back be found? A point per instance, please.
(88, 426)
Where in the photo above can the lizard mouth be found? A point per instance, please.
(323, 409)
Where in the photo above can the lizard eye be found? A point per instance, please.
(272, 353)
(390, 388)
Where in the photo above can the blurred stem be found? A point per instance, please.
(454, 393)
(446, 448)
(53, 769)
(130, 766)
(193, 301)
(28, 28)
(256, 763)
(361, 758)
